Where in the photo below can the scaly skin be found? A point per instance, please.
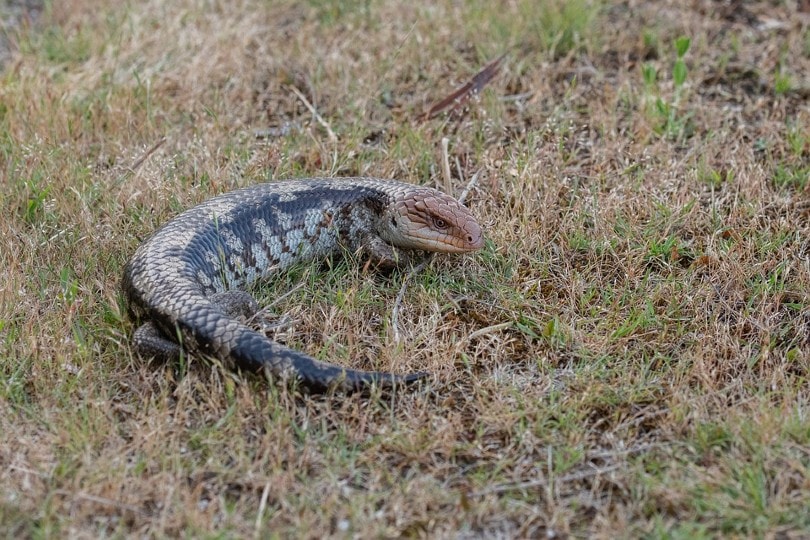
(186, 282)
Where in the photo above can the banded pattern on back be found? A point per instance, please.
(184, 281)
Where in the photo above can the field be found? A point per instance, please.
(627, 357)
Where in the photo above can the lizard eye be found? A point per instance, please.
(440, 223)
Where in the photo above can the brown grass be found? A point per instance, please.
(629, 355)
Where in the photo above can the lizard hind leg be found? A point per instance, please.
(236, 303)
(151, 342)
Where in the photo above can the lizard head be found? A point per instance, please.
(428, 220)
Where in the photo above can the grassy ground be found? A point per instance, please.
(628, 356)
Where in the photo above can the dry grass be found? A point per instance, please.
(629, 356)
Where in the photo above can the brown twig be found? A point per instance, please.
(462, 94)
(148, 153)
(448, 184)
(315, 114)
(546, 482)
(138, 162)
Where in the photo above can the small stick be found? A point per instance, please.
(318, 117)
(488, 330)
(542, 482)
(263, 311)
(140, 160)
(460, 96)
(397, 304)
(100, 500)
(262, 506)
(470, 185)
(448, 184)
